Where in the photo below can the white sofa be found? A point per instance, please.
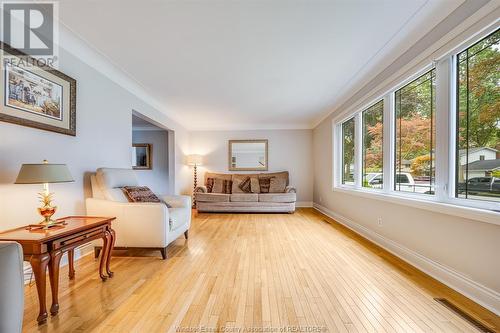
(11, 287)
(137, 225)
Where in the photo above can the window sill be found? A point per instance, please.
(482, 215)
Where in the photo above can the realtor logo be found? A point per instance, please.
(30, 27)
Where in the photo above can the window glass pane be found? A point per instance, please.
(348, 152)
(415, 135)
(372, 146)
(478, 120)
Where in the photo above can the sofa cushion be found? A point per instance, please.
(245, 185)
(212, 197)
(277, 185)
(277, 197)
(264, 184)
(244, 197)
(109, 178)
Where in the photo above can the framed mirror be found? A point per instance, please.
(141, 156)
(248, 155)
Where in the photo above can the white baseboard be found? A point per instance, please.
(80, 252)
(304, 204)
(480, 294)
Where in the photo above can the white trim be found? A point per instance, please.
(426, 202)
(477, 292)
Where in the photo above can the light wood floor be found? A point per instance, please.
(269, 271)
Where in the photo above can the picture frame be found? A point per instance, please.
(248, 155)
(35, 96)
(142, 156)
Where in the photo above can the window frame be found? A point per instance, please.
(444, 199)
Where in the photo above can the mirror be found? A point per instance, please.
(248, 155)
(141, 156)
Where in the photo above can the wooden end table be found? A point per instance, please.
(44, 248)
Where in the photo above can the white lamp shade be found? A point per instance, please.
(43, 173)
(194, 159)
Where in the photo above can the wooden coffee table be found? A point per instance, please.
(44, 248)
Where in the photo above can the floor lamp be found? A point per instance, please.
(195, 160)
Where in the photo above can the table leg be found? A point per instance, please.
(71, 261)
(111, 246)
(104, 254)
(39, 265)
(55, 260)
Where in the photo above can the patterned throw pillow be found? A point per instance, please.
(218, 186)
(265, 183)
(245, 185)
(210, 184)
(228, 185)
(140, 194)
(277, 185)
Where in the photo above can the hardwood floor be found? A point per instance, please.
(266, 271)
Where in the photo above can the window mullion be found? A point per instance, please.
(358, 150)
(388, 140)
(443, 70)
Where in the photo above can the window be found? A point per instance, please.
(348, 130)
(373, 143)
(478, 121)
(415, 135)
(392, 145)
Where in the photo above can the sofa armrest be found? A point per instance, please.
(177, 201)
(290, 189)
(200, 189)
(137, 224)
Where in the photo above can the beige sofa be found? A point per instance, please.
(269, 192)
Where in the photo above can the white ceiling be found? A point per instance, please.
(252, 64)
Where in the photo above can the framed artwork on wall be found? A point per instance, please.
(142, 156)
(35, 96)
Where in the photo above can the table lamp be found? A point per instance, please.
(45, 173)
(195, 160)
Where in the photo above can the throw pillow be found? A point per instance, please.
(209, 184)
(140, 194)
(277, 185)
(227, 186)
(218, 186)
(254, 185)
(264, 184)
(245, 185)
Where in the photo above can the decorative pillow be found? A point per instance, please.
(227, 186)
(209, 184)
(140, 194)
(222, 186)
(264, 184)
(254, 185)
(277, 185)
(245, 185)
(218, 186)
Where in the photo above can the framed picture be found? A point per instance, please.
(142, 156)
(39, 97)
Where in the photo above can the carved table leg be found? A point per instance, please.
(55, 260)
(111, 246)
(104, 254)
(71, 261)
(39, 266)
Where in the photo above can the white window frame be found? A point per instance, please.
(444, 199)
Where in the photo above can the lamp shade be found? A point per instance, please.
(43, 173)
(194, 159)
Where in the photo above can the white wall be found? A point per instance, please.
(460, 251)
(104, 135)
(157, 179)
(288, 150)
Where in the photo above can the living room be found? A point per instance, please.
(250, 166)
